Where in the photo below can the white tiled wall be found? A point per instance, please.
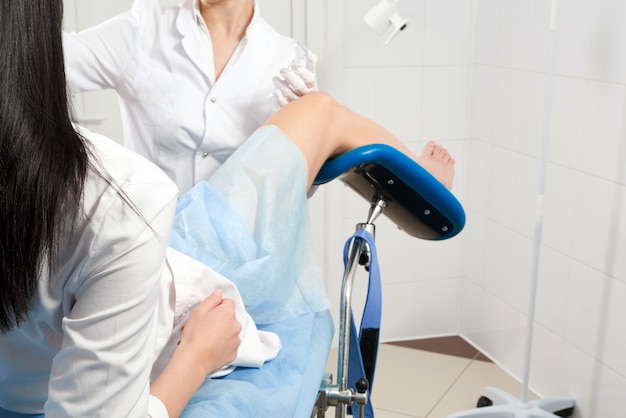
(472, 74)
(578, 348)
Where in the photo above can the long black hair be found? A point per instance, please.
(43, 160)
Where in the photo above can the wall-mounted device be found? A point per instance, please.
(384, 15)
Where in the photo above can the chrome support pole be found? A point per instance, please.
(344, 329)
(340, 395)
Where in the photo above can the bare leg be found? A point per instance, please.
(322, 128)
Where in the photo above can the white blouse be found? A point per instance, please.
(160, 62)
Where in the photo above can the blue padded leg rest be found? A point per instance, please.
(416, 201)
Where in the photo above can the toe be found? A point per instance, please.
(429, 149)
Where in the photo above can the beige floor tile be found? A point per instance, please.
(469, 387)
(381, 413)
(410, 382)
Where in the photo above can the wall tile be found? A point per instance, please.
(552, 290)
(591, 39)
(616, 262)
(445, 102)
(561, 196)
(419, 310)
(567, 121)
(479, 176)
(399, 317)
(471, 321)
(539, 35)
(586, 311)
(473, 253)
(436, 306)
(513, 34)
(498, 257)
(482, 102)
(399, 254)
(439, 259)
(507, 115)
(593, 222)
(602, 147)
(358, 40)
(486, 29)
(399, 104)
(448, 30)
(526, 189)
(520, 272)
(503, 173)
(612, 345)
(358, 90)
(532, 115)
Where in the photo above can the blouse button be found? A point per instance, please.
(205, 154)
(213, 100)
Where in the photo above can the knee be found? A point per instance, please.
(322, 100)
(321, 107)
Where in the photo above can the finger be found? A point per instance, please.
(308, 77)
(211, 302)
(312, 61)
(297, 84)
(277, 99)
(280, 98)
(283, 87)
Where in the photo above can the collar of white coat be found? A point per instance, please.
(190, 15)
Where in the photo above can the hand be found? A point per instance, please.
(211, 333)
(298, 79)
(209, 341)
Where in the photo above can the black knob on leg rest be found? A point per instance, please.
(362, 385)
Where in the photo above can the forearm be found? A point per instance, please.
(209, 340)
(178, 382)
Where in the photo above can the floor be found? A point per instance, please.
(431, 378)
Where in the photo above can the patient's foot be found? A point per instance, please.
(436, 160)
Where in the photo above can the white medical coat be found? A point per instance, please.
(160, 62)
(89, 343)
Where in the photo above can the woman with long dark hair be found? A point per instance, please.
(85, 225)
(88, 287)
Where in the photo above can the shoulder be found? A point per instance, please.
(146, 8)
(145, 184)
(154, 21)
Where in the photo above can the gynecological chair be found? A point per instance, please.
(296, 383)
(399, 188)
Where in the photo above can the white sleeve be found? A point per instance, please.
(156, 409)
(96, 58)
(109, 334)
